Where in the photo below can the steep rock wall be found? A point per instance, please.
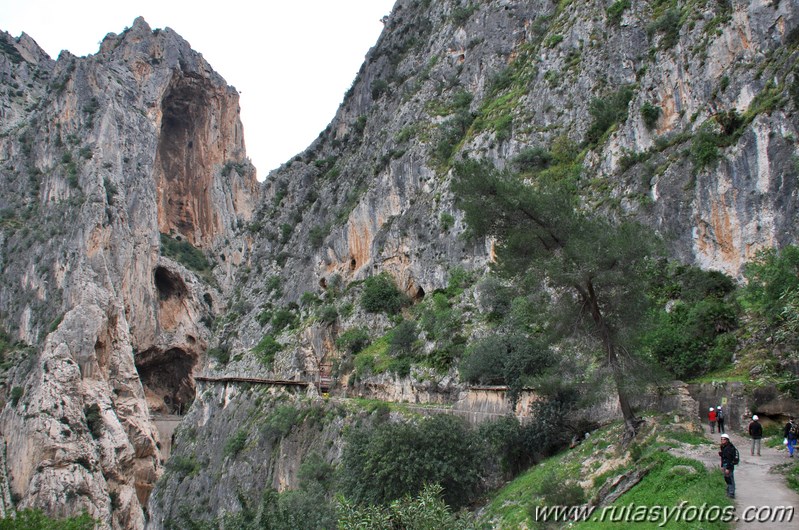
(100, 154)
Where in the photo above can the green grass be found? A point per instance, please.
(793, 477)
(666, 484)
(726, 374)
(510, 506)
(374, 358)
(690, 438)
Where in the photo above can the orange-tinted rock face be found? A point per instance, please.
(200, 131)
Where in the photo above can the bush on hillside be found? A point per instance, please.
(381, 295)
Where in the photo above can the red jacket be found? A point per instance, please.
(711, 415)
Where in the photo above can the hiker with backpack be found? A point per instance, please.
(711, 417)
(756, 432)
(720, 418)
(729, 459)
(791, 434)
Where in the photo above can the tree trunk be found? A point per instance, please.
(631, 421)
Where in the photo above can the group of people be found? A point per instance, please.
(716, 416)
(729, 453)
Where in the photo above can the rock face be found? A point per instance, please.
(143, 139)
(101, 154)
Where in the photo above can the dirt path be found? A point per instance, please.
(756, 483)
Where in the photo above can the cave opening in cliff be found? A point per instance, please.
(169, 284)
(167, 379)
(417, 294)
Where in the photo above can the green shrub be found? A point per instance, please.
(386, 461)
(553, 40)
(184, 253)
(220, 353)
(483, 363)
(650, 114)
(265, 315)
(607, 112)
(183, 465)
(495, 298)
(316, 470)
(353, 340)
(94, 420)
(266, 349)
(508, 359)
(424, 511)
(616, 11)
(235, 443)
(317, 235)
(29, 519)
(281, 420)
(447, 220)
(694, 336)
(505, 443)
(403, 339)
(380, 294)
(668, 24)
(379, 87)
(554, 423)
(16, 394)
(458, 280)
(286, 230)
(772, 289)
(704, 149)
(532, 159)
(360, 125)
(282, 319)
(328, 314)
(461, 14)
(272, 286)
(729, 121)
(452, 131)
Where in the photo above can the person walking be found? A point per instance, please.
(756, 432)
(711, 417)
(720, 418)
(729, 458)
(791, 434)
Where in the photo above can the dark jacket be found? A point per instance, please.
(756, 430)
(727, 455)
(787, 433)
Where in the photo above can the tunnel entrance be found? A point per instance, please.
(167, 379)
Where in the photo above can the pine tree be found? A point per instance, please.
(542, 234)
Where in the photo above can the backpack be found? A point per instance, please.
(720, 414)
(737, 458)
(794, 429)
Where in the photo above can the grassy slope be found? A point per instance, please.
(600, 459)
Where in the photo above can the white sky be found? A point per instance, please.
(291, 60)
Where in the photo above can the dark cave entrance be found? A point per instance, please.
(169, 284)
(167, 379)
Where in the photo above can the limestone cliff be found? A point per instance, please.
(100, 156)
(704, 152)
(699, 99)
(451, 79)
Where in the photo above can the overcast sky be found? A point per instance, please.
(292, 60)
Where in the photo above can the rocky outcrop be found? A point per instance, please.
(100, 156)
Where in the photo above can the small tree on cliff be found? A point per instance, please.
(595, 264)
